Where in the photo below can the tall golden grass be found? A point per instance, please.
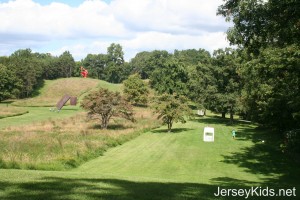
(9, 111)
(62, 144)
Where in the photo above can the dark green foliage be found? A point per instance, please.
(228, 82)
(114, 71)
(172, 108)
(95, 64)
(272, 84)
(105, 104)
(291, 145)
(259, 23)
(9, 84)
(171, 77)
(136, 90)
(28, 69)
(145, 63)
(66, 64)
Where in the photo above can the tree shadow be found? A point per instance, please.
(264, 157)
(36, 92)
(53, 188)
(175, 130)
(56, 188)
(112, 126)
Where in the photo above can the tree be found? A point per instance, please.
(28, 68)
(95, 63)
(172, 108)
(228, 82)
(136, 90)
(66, 64)
(105, 104)
(9, 84)
(260, 23)
(114, 72)
(272, 84)
(170, 78)
(145, 63)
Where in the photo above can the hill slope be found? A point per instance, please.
(53, 90)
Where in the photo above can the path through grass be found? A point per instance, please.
(160, 165)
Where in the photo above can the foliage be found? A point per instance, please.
(201, 82)
(95, 63)
(136, 90)
(145, 63)
(291, 144)
(171, 77)
(271, 91)
(66, 64)
(115, 64)
(172, 108)
(105, 104)
(9, 84)
(228, 82)
(28, 69)
(259, 23)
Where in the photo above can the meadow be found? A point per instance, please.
(73, 159)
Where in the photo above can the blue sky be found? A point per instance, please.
(90, 26)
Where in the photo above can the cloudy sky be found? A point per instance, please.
(90, 26)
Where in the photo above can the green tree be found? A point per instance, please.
(28, 68)
(172, 108)
(260, 23)
(105, 104)
(115, 69)
(272, 84)
(95, 64)
(66, 64)
(136, 90)
(9, 84)
(228, 82)
(171, 77)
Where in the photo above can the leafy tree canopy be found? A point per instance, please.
(136, 90)
(105, 104)
(259, 23)
(9, 84)
(172, 108)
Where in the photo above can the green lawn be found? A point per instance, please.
(160, 165)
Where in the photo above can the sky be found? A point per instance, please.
(90, 26)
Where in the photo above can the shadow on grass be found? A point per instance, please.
(53, 188)
(112, 126)
(264, 157)
(175, 130)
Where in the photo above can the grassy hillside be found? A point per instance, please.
(53, 90)
(37, 108)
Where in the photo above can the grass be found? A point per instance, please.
(53, 90)
(161, 165)
(10, 111)
(65, 143)
(154, 165)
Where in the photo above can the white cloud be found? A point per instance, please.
(91, 27)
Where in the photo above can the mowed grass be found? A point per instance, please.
(161, 165)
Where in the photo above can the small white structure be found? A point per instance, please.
(200, 112)
(208, 134)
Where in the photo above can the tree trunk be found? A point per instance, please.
(169, 125)
(223, 114)
(231, 117)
